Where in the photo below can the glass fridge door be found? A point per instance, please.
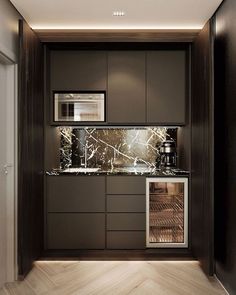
(167, 212)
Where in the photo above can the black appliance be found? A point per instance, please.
(167, 155)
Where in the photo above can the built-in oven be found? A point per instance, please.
(79, 107)
(167, 212)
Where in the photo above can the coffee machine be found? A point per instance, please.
(167, 155)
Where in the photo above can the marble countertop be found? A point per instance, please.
(148, 172)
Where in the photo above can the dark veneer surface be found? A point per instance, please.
(225, 142)
(30, 150)
(117, 35)
(202, 149)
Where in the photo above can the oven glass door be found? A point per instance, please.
(79, 107)
(167, 212)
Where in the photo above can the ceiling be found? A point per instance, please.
(94, 14)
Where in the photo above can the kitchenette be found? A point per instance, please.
(117, 150)
(117, 147)
(115, 142)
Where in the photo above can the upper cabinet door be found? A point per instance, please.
(166, 87)
(78, 70)
(126, 87)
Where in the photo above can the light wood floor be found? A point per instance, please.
(115, 277)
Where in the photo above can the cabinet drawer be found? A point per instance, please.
(126, 203)
(125, 185)
(126, 240)
(126, 221)
(76, 194)
(76, 231)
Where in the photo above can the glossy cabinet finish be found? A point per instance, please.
(166, 87)
(126, 87)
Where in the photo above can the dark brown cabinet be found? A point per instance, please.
(76, 231)
(126, 207)
(126, 240)
(76, 194)
(78, 70)
(126, 221)
(142, 87)
(126, 203)
(166, 87)
(126, 87)
(125, 185)
(95, 212)
(75, 212)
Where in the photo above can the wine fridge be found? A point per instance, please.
(167, 212)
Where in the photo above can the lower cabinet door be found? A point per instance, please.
(76, 231)
(126, 240)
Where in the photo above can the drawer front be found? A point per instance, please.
(126, 203)
(76, 231)
(126, 185)
(126, 240)
(126, 221)
(76, 194)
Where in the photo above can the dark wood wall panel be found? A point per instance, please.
(225, 143)
(117, 35)
(30, 149)
(202, 149)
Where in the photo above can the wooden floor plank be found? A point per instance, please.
(116, 278)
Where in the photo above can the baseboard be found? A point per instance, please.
(103, 255)
(221, 284)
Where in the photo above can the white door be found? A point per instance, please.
(7, 172)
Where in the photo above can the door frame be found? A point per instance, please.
(7, 58)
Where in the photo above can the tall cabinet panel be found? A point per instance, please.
(225, 145)
(166, 86)
(126, 87)
(202, 149)
(30, 149)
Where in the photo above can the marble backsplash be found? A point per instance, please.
(112, 147)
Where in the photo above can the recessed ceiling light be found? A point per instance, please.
(118, 13)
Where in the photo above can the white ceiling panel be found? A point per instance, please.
(97, 14)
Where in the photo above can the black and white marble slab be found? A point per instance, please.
(112, 148)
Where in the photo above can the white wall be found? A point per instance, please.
(3, 244)
(9, 17)
(8, 48)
